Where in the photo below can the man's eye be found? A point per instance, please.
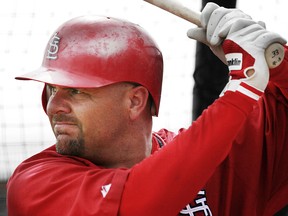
(75, 91)
(52, 90)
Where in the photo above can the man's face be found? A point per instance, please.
(89, 122)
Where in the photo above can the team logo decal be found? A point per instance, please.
(53, 47)
(105, 189)
(200, 206)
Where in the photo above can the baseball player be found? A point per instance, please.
(103, 80)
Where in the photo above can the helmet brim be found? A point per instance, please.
(67, 79)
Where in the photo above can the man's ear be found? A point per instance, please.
(138, 96)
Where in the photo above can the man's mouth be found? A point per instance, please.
(67, 128)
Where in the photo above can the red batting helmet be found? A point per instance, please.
(95, 51)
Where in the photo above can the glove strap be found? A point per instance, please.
(242, 87)
(239, 62)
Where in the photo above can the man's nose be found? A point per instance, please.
(58, 103)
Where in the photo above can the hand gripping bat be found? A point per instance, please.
(273, 54)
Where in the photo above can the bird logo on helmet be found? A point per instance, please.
(53, 47)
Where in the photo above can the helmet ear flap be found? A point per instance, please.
(153, 110)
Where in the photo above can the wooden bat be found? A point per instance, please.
(274, 53)
(178, 9)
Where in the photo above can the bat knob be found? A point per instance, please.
(274, 55)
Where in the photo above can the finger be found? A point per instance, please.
(198, 34)
(225, 22)
(249, 34)
(206, 13)
(262, 24)
(268, 38)
(235, 25)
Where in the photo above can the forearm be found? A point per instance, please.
(169, 179)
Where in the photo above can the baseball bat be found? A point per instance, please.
(178, 9)
(274, 53)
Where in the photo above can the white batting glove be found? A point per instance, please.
(212, 20)
(244, 47)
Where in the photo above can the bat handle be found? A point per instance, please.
(178, 9)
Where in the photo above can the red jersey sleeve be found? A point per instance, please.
(165, 182)
(253, 179)
(53, 184)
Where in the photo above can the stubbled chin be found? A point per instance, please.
(63, 143)
(68, 145)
